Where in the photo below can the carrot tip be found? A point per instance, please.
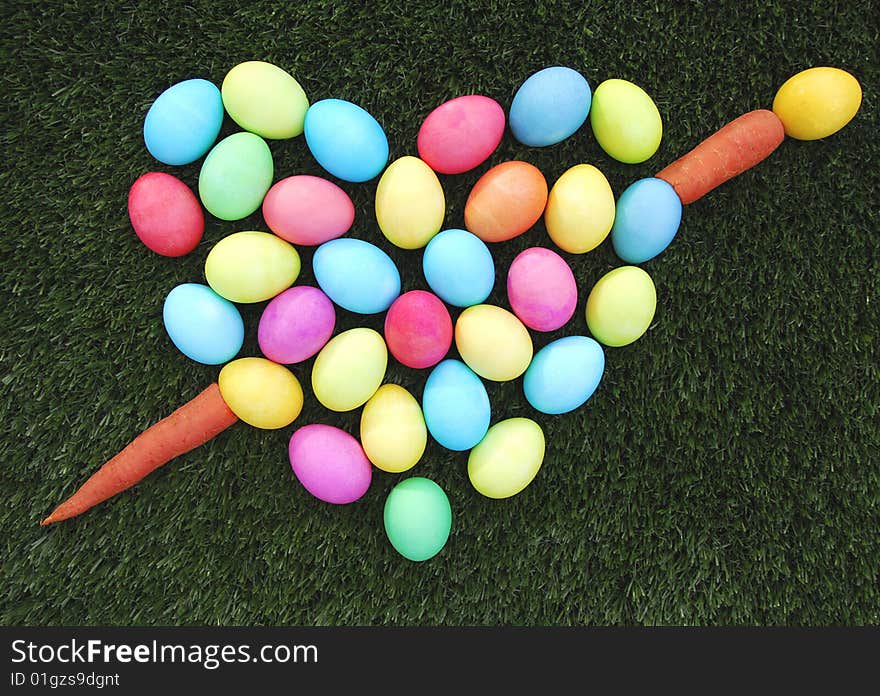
(47, 521)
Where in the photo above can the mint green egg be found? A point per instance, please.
(235, 176)
(418, 518)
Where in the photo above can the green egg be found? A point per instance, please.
(417, 518)
(235, 176)
(625, 121)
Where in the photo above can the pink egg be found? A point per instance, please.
(307, 210)
(165, 214)
(418, 329)
(330, 463)
(296, 324)
(461, 134)
(541, 289)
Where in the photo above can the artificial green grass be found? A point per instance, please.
(726, 471)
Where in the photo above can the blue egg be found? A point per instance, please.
(459, 268)
(356, 275)
(564, 374)
(550, 106)
(346, 140)
(646, 219)
(204, 326)
(184, 121)
(456, 406)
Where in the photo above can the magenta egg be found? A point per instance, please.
(461, 134)
(307, 210)
(541, 289)
(296, 324)
(165, 214)
(418, 329)
(330, 463)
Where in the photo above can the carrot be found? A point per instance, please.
(193, 424)
(740, 144)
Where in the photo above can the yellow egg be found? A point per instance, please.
(261, 392)
(349, 369)
(251, 266)
(507, 459)
(817, 102)
(493, 342)
(625, 121)
(393, 431)
(621, 306)
(409, 203)
(264, 99)
(580, 209)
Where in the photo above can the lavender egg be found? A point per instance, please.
(296, 324)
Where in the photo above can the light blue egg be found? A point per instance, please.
(456, 406)
(204, 326)
(459, 268)
(346, 140)
(646, 219)
(564, 374)
(550, 106)
(356, 275)
(184, 121)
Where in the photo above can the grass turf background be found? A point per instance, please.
(726, 470)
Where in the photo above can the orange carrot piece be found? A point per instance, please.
(193, 424)
(740, 144)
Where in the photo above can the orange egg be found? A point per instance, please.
(506, 201)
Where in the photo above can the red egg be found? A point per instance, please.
(461, 134)
(418, 329)
(165, 214)
(307, 210)
(541, 289)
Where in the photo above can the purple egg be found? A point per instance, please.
(330, 463)
(541, 289)
(296, 324)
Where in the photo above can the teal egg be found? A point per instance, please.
(646, 220)
(356, 275)
(459, 268)
(456, 406)
(346, 140)
(204, 326)
(418, 518)
(184, 121)
(564, 374)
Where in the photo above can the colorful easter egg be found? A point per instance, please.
(204, 326)
(165, 214)
(417, 518)
(507, 459)
(235, 176)
(393, 431)
(648, 216)
(409, 203)
(506, 201)
(296, 324)
(621, 306)
(459, 268)
(251, 266)
(564, 374)
(625, 121)
(493, 342)
(541, 289)
(329, 463)
(356, 275)
(461, 134)
(550, 106)
(184, 121)
(349, 369)
(307, 210)
(418, 329)
(264, 99)
(456, 406)
(580, 209)
(817, 102)
(260, 392)
(346, 140)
